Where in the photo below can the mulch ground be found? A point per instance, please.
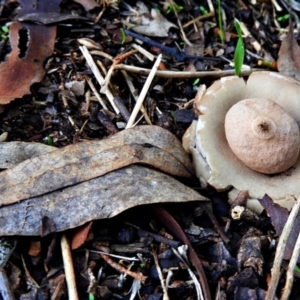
(63, 109)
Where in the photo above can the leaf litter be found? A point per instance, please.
(64, 65)
(31, 45)
(54, 170)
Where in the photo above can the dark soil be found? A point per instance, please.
(53, 115)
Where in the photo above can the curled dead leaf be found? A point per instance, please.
(150, 145)
(13, 153)
(289, 55)
(98, 198)
(31, 44)
(150, 23)
(279, 216)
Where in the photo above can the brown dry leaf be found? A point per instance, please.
(98, 198)
(150, 145)
(35, 248)
(24, 65)
(148, 23)
(289, 55)
(80, 235)
(13, 153)
(88, 4)
(279, 216)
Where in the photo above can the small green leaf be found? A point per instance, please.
(196, 82)
(174, 117)
(283, 18)
(123, 36)
(91, 296)
(297, 270)
(174, 6)
(238, 28)
(49, 140)
(203, 10)
(5, 29)
(239, 50)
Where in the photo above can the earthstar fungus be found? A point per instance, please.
(247, 130)
(262, 135)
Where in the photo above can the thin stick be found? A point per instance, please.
(138, 276)
(275, 272)
(290, 272)
(93, 88)
(143, 92)
(143, 51)
(69, 268)
(160, 275)
(98, 76)
(117, 60)
(182, 74)
(132, 91)
(180, 25)
(202, 17)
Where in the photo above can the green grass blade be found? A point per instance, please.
(239, 53)
(222, 35)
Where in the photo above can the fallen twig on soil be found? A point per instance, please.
(184, 74)
(69, 268)
(143, 92)
(275, 272)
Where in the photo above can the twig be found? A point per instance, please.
(246, 34)
(69, 268)
(138, 276)
(160, 275)
(143, 51)
(134, 95)
(182, 255)
(185, 39)
(143, 92)
(275, 272)
(183, 74)
(123, 109)
(171, 224)
(177, 55)
(117, 60)
(116, 256)
(202, 17)
(290, 272)
(107, 123)
(97, 95)
(102, 54)
(98, 75)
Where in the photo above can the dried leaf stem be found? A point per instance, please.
(69, 268)
(180, 25)
(138, 276)
(93, 88)
(99, 77)
(160, 275)
(275, 272)
(182, 74)
(290, 272)
(143, 92)
(171, 224)
(132, 91)
(117, 60)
